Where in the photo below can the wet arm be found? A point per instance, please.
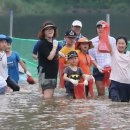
(23, 65)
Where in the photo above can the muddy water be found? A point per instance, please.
(27, 110)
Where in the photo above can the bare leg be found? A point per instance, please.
(100, 88)
(48, 93)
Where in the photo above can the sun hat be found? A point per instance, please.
(48, 24)
(83, 40)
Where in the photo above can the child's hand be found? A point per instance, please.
(87, 77)
(61, 54)
(74, 82)
(100, 68)
(93, 78)
(28, 73)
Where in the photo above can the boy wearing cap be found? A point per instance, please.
(3, 64)
(69, 46)
(70, 41)
(102, 59)
(73, 74)
(13, 59)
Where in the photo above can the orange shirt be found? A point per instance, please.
(65, 50)
(85, 62)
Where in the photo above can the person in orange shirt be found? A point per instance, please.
(69, 46)
(86, 61)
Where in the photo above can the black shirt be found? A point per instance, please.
(50, 67)
(73, 74)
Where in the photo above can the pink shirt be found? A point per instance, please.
(120, 66)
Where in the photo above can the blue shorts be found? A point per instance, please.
(119, 91)
(98, 75)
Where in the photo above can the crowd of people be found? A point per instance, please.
(79, 63)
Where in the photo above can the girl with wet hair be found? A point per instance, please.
(120, 75)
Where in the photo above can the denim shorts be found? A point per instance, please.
(98, 75)
(3, 90)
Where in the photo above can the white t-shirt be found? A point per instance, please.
(2, 82)
(3, 65)
(120, 66)
(102, 59)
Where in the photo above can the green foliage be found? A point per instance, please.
(45, 7)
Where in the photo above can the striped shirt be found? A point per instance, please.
(102, 59)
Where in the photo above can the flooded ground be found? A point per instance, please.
(27, 110)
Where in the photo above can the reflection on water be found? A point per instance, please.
(27, 110)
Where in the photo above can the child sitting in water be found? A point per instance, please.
(72, 74)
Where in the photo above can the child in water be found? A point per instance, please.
(72, 74)
(13, 59)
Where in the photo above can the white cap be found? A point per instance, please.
(77, 23)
